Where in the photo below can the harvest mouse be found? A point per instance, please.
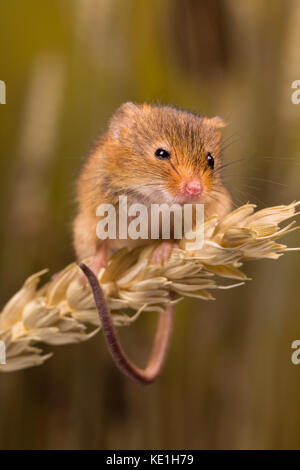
(152, 154)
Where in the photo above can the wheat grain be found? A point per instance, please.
(63, 311)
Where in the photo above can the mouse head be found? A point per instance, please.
(165, 154)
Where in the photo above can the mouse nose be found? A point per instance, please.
(193, 188)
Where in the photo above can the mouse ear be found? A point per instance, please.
(217, 122)
(122, 118)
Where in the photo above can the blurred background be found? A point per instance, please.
(68, 64)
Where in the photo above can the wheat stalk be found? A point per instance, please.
(63, 311)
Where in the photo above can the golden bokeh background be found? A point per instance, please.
(68, 64)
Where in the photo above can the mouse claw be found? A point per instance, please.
(163, 251)
(97, 263)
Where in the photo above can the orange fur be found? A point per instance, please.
(123, 163)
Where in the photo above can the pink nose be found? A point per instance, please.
(193, 188)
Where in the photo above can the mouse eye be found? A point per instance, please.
(162, 154)
(210, 160)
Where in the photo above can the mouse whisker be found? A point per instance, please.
(256, 199)
(228, 144)
(230, 136)
(256, 178)
(216, 198)
(220, 168)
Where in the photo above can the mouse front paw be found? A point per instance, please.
(163, 252)
(97, 263)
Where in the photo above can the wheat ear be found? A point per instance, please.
(63, 311)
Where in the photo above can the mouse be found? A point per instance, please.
(152, 154)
